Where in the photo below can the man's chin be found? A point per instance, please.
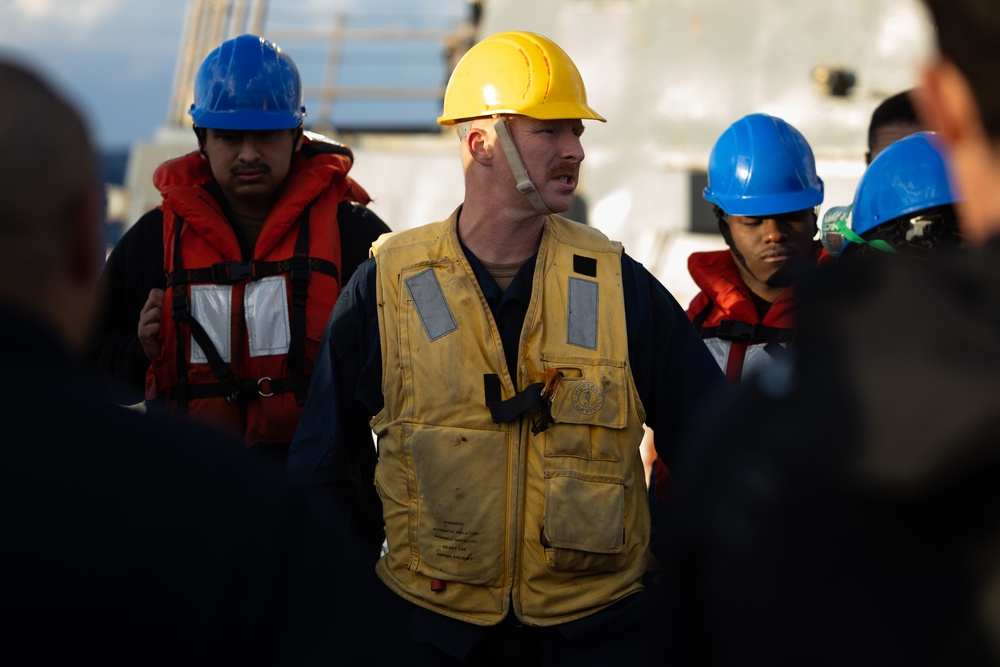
(785, 275)
(559, 204)
(252, 191)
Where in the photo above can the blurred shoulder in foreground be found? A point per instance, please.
(129, 540)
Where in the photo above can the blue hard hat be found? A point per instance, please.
(248, 83)
(907, 177)
(761, 165)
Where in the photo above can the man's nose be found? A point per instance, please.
(248, 149)
(774, 230)
(572, 148)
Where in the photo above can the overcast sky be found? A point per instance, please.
(116, 58)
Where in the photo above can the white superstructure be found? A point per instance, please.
(669, 75)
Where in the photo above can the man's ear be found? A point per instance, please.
(945, 104)
(297, 138)
(199, 133)
(478, 144)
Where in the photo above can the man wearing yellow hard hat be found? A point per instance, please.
(506, 359)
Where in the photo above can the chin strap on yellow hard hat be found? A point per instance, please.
(524, 184)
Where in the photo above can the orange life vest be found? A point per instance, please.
(725, 314)
(240, 336)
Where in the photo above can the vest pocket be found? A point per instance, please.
(457, 506)
(584, 522)
(591, 394)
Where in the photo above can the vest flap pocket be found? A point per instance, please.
(592, 392)
(584, 521)
(456, 511)
(585, 512)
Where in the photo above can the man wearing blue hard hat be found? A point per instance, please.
(894, 118)
(904, 203)
(857, 522)
(215, 302)
(762, 182)
(763, 185)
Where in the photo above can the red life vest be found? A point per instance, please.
(725, 314)
(240, 336)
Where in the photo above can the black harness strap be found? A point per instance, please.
(222, 372)
(776, 351)
(529, 398)
(233, 272)
(181, 312)
(300, 276)
(300, 267)
(264, 387)
(700, 318)
(752, 333)
(179, 305)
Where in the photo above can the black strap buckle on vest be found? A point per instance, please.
(734, 330)
(232, 272)
(179, 305)
(502, 412)
(536, 397)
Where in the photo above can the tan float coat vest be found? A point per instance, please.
(481, 514)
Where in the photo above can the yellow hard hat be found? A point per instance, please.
(516, 73)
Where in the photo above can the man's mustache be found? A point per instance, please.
(256, 167)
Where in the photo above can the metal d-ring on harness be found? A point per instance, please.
(230, 386)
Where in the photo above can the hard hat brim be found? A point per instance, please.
(766, 204)
(255, 120)
(551, 112)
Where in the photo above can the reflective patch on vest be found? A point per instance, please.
(212, 306)
(432, 307)
(265, 303)
(720, 350)
(581, 328)
(756, 359)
